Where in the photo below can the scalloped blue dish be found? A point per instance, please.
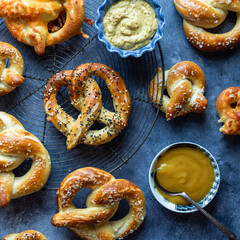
(126, 53)
(185, 208)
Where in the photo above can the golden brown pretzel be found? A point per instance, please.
(29, 234)
(11, 77)
(92, 222)
(204, 14)
(28, 20)
(228, 108)
(185, 84)
(85, 96)
(16, 144)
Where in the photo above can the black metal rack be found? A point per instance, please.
(25, 102)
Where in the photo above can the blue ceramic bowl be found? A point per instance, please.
(185, 208)
(125, 53)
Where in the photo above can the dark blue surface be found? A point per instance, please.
(222, 71)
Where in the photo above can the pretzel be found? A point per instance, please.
(29, 234)
(32, 21)
(185, 84)
(16, 144)
(93, 221)
(10, 77)
(228, 108)
(85, 95)
(204, 14)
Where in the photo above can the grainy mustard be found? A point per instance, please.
(130, 24)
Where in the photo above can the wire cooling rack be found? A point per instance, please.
(25, 102)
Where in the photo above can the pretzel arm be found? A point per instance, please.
(78, 217)
(200, 13)
(74, 19)
(8, 162)
(112, 119)
(6, 185)
(179, 98)
(61, 120)
(209, 42)
(90, 111)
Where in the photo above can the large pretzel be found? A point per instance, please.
(30, 21)
(10, 77)
(16, 144)
(204, 14)
(185, 84)
(29, 234)
(85, 96)
(92, 222)
(228, 108)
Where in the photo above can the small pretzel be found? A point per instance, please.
(203, 14)
(228, 108)
(29, 234)
(92, 222)
(185, 84)
(85, 95)
(16, 144)
(32, 21)
(10, 77)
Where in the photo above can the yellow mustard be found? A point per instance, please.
(185, 169)
(130, 24)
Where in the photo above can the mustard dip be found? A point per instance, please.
(185, 169)
(130, 24)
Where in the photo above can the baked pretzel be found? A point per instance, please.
(28, 21)
(85, 95)
(185, 84)
(16, 144)
(204, 14)
(10, 77)
(228, 108)
(29, 234)
(93, 221)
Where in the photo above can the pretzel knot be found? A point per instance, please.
(204, 14)
(29, 234)
(30, 21)
(16, 144)
(228, 108)
(92, 222)
(185, 84)
(85, 95)
(10, 77)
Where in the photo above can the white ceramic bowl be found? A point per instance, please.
(185, 208)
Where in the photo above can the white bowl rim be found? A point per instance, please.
(161, 199)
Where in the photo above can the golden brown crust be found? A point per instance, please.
(185, 84)
(228, 108)
(93, 222)
(85, 95)
(200, 15)
(11, 77)
(29, 234)
(16, 144)
(28, 21)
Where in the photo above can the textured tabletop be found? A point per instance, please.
(222, 71)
